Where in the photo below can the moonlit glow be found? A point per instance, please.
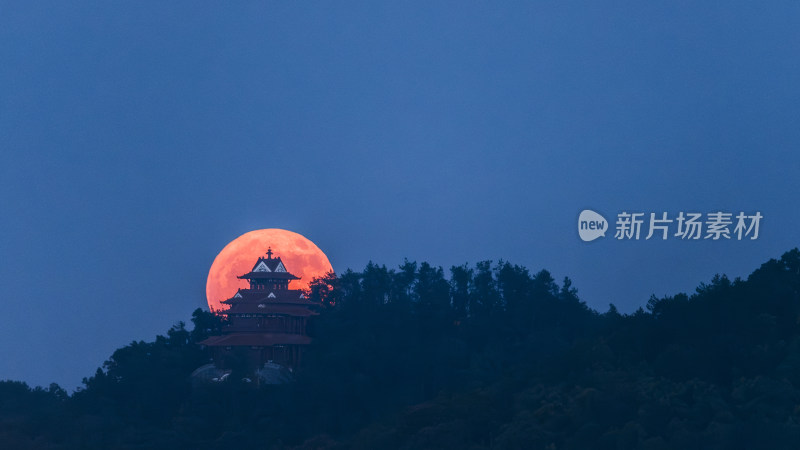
(300, 256)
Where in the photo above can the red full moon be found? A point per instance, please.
(300, 256)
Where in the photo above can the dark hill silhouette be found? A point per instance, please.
(491, 357)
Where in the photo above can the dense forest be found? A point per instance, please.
(488, 356)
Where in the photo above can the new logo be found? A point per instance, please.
(591, 225)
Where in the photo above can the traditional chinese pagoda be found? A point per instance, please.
(266, 330)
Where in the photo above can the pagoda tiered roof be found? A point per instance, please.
(263, 308)
(268, 275)
(269, 268)
(270, 297)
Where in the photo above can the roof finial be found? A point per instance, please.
(269, 252)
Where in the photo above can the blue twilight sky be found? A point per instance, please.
(138, 138)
